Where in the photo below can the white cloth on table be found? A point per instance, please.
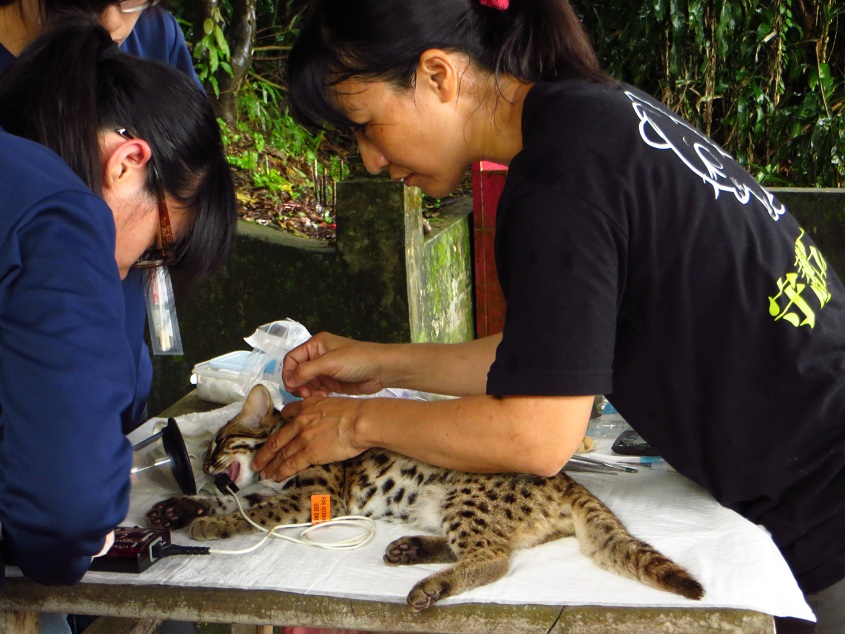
(735, 560)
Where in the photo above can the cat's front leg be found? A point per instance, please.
(210, 528)
(291, 508)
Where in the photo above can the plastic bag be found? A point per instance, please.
(270, 343)
(165, 336)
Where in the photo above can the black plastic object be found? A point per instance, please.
(133, 550)
(174, 445)
(630, 443)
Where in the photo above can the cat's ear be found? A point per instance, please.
(258, 403)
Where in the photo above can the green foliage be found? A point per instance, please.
(266, 135)
(766, 79)
(275, 153)
(211, 51)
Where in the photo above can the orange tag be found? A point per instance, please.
(321, 508)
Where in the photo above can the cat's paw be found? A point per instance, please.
(426, 593)
(417, 549)
(176, 512)
(404, 551)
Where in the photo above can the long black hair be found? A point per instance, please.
(73, 82)
(92, 6)
(532, 40)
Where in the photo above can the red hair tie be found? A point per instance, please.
(501, 5)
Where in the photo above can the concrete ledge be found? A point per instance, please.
(261, 607)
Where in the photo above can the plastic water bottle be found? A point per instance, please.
(609, 425)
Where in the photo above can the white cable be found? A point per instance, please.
(366, 524)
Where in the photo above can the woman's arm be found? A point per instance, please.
(476, 434)
(327, 363)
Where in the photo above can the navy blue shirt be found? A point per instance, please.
(156, 36)
(67, 372)
(6, 57)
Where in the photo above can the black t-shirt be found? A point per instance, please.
(638, 260)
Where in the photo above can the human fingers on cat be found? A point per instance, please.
(295, 380)
(275, 445)
(327, 363)
(321, 433)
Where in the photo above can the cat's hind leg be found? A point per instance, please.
(418, 549)
(473, 569)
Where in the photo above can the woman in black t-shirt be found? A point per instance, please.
(637, 260)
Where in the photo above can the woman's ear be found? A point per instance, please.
(126, 164)
(440, 72)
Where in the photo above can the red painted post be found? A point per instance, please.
(488, 179)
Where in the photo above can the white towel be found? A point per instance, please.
(736, 561)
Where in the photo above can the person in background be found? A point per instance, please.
(142, 28)
(637, 260)
(108, 162)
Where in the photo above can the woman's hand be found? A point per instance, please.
(327, 363)
(107, 546)
(480, 434)
(322, 430)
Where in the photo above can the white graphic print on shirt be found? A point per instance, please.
(801, 292)
(663, 131)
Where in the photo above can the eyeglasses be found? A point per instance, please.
(166, 254)
(134, 6)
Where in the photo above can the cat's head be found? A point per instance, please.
(235, 444)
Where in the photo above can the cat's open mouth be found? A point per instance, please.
(234, 471)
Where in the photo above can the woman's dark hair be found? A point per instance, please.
(73, 82)
(532, 40)
(50, 7)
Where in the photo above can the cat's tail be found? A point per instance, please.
(608, 543)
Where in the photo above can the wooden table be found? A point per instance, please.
(138, 608)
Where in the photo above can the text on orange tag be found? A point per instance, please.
(321, 508)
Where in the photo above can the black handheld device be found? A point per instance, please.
(630, 443)
(134, 549)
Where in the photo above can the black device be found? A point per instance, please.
(630, 443)
(134, 549)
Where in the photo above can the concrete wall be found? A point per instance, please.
(383, 281)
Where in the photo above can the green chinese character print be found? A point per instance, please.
(790, 303)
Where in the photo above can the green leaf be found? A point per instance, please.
(222, 44)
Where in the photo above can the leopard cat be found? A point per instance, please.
(476, 519)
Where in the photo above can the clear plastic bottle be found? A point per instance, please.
(609, 425)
